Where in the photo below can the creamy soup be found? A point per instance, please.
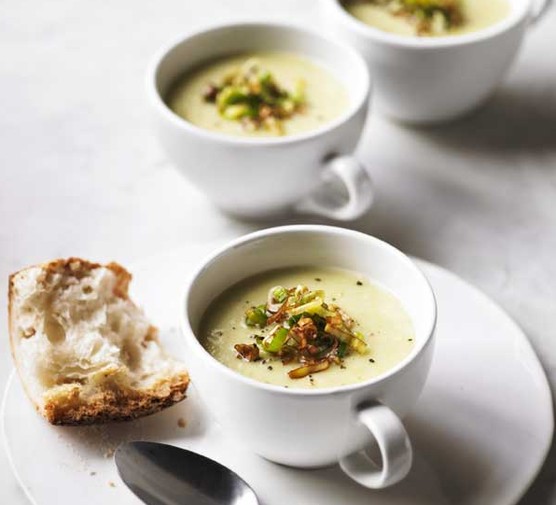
(238, 320)
(260, 94)
(473, 15)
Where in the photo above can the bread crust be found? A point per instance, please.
(116, 405)
(110, 404)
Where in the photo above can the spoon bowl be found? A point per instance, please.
(161, 474)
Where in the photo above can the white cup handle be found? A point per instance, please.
(394, 445)
(358, 185)
(540, 7)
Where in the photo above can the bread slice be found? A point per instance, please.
(84, 351)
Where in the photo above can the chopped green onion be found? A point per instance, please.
(251, 95)
(298, 95)
(358, 343)
(302, 328)
(311, 295)
(256, 316)
(342, 349)
(428, 16)
(313, 307)
(274, 342)
(265, 78)
(279, 294)
(229, 96)
(293, 320)
(237, 111)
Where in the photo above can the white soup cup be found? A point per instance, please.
(258, 177)
(435, 79)
(316, 427)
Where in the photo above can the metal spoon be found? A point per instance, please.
(161, 474)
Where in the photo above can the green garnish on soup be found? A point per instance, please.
(433, 15)
(301, 327)
(428, 16)
(252, 96)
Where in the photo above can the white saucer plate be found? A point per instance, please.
(481, 429)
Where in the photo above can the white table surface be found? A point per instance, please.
(81, 174)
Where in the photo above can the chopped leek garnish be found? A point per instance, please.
(342, 349)
(256, 316)
(252, 95)
(430, 17)
(303, 328)
(279, 294)
(274, 342)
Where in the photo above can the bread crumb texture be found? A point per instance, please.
(84, 351)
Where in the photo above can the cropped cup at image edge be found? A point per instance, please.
(426, 80)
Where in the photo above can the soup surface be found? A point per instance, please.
(322, 98)
(473, 15)
(379, 317)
